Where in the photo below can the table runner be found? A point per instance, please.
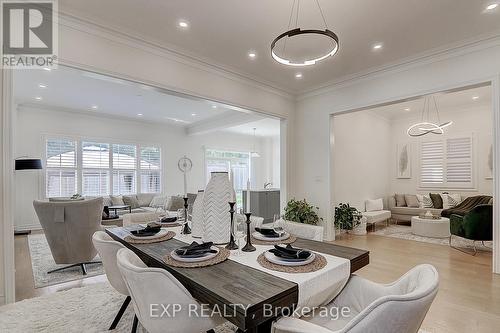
(315, 288)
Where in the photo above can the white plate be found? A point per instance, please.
(259, 236)
(207, 257)
(160, 233)
(278, 261)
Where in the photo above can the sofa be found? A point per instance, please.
(404, 213)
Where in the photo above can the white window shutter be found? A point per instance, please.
(459, 161)
(432, 163)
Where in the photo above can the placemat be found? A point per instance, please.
(318, 263)
(220, 257)
(170, 225)
(289, 240)
(168, 236)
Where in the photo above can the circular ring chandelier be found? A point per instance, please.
(426, 126)
(298, 31)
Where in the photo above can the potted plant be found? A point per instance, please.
(346, 217)
(301, 211)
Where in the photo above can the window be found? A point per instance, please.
(238, 163)
(124, 169)
(95, 168)
(61, 168)
(98, 169)
(150, 170)
(447, 163)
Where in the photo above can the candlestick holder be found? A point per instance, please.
(248, 246)
(186, 230)
(232, 244)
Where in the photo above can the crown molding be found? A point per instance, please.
(171, 52)
(438, 54)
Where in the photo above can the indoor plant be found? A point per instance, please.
(346, 217)
(301, 211)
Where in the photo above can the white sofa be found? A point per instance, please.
(375, 212)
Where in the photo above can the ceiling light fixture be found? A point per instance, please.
(47, 69)
(426, 126)
(183, 24)
(214, 106)
(378, 46)
(298, 76)
(304, 32)
(475, 98)
(252, 55)
(38, 98)
(193, 114)
(407, 109)
(492, 6)
(41, 85)
(95, 107)
(254, 153)
(140, 114)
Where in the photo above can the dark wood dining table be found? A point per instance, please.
(229, 283)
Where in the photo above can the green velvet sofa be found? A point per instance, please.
(476, 225)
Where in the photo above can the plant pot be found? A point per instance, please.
(360, 229)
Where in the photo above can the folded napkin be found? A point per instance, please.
(195, 249)
(167, 219)
(290, 252)
(267, 232)
(150, 230)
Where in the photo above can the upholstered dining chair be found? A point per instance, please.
(302, 230)
(138, 218)
(108, 248)
(68, 227)
(399, 307)
(150, 286)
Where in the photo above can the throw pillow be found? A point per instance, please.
(131, 200)
(374, 205)
(411, 201)
(400, 200)
(175, 203)
(424, 201)
(437, 202)
(117, 200)
(453, 200)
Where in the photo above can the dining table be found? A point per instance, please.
(241, 284)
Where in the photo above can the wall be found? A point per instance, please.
(361, 151)
(475, 121)
(34, 124)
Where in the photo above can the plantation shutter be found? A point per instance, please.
(60, 177)
(432, 163)
(95, 168)
(124, 169)
(459, 162)
(150, 170)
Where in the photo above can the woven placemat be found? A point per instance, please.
(318, 263)
(220, 257)
(170, 225)
(289, 240)
(168, 236)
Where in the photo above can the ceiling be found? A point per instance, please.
(73, 90)
(222, 32)
(446, 102)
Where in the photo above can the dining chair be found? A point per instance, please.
(107, 249)
(153, 288)
(399, 307)
(302, 230)
(138, 218)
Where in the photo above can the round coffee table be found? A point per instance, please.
(436, 228)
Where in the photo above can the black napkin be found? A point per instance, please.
(167, 219)
(146, 232)
(195, 249)
(290, 252)
(267, 232)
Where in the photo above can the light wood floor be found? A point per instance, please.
(468, 298)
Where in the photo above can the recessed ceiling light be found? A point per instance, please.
(193, 114)
(47, 69)
(183, 24)
(95, 107)
(475, 98)
(214, 106)
(252, 54)
(298, 75)
(41, 85)
(139, 114)
(492, 6)
(38, 98)
(407, 109)
(377, 46)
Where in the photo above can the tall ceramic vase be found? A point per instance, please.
(197, 217)
(216, 217)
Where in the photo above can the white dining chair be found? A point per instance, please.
(150, 288)
(107, 249)
(399, 307)
(139, 218)
(302, 230)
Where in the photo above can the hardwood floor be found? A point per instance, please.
(468, 298)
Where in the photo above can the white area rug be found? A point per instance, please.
(42, 262)
(404, 232)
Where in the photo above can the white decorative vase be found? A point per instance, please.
(216, 217)
(197, 217)
(360, 229)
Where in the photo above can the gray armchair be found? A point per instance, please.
(68, 227)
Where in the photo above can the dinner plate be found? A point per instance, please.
(259, 236)
(279, 261)
(197, 259)
(160, 233)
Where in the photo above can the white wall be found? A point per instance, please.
(361, 151)
(476, 121)
(34, 124)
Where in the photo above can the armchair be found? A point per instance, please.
(476, 225)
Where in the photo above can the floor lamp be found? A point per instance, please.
(27, 164)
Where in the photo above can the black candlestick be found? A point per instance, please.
(186, 230)
(248, 246)
(232, 244)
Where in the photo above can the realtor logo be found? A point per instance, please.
(29, 33)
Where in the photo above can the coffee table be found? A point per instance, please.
(435, 228)
(121, 207)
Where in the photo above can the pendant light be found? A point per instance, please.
(254, 152)
(426, 126)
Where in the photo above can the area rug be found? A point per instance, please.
(42, 262)
(404, 232)
(87, 309)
